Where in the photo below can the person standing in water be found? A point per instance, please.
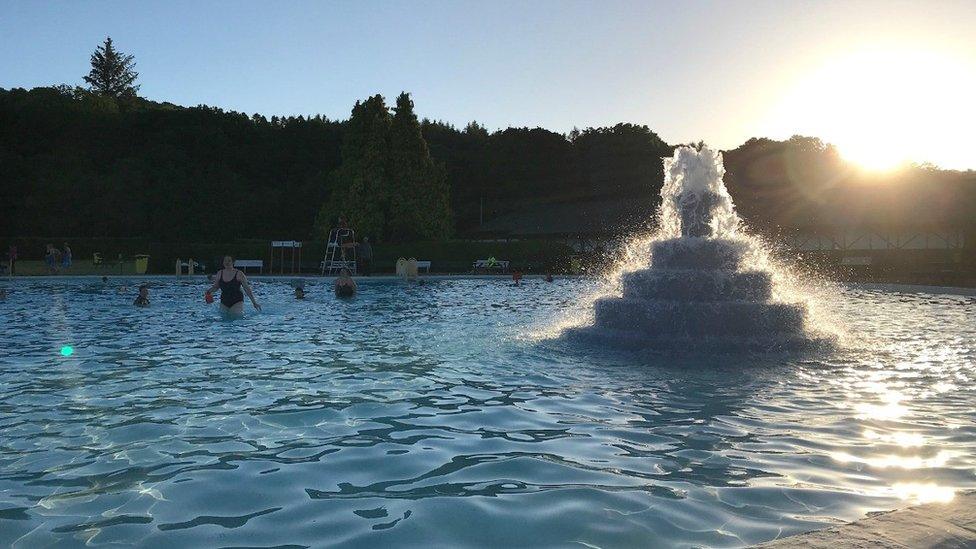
(345, 286)
(142, 300)
(231, 281)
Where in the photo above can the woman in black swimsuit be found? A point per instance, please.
(231, 281)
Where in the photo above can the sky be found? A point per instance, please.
(719, 71)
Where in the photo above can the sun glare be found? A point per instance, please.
(883, 108)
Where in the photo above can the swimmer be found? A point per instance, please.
(230, 281)
(142, 300)
(548, 277)
(3, 293)
(345, 286)
(299, 293)
(517, 276)
(104, 280)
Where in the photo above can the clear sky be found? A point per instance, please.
(722, 71)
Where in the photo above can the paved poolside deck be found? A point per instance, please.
(943, 525)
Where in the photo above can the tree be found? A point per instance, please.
(624, 158)
(422, 206)
(360, 185)
(388, 186)
(113, 72)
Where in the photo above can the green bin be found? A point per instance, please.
(142, 264)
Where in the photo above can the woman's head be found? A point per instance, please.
(144, 290)
(228, 262)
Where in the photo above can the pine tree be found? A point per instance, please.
(112, 72)
(360, 186)
(388, 186)
(421, 209)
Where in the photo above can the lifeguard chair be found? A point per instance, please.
(340, 253)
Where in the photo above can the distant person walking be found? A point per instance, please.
(365, 256)
(66, 257)
(230, 281)
(50, 259)
(12, 259)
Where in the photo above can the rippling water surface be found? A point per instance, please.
(430, 415)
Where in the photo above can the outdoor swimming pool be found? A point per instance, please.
(433, 415)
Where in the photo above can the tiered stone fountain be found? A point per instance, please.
(705, 284)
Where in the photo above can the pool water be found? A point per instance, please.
(434, 415)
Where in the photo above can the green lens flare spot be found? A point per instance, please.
(67, 350)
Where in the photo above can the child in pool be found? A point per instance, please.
(299, 293)
(142, 300)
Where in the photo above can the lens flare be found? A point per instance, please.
(67, 350)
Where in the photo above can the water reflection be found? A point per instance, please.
(923, 493)
(409, 414)
(903, 439)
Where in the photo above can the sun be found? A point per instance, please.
(885, 107)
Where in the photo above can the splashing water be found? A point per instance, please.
(700, 281)
(694, 201)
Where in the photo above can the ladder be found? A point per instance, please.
(335, 260)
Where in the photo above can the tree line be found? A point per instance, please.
(803, 182)
(80, 163)
(100, 161)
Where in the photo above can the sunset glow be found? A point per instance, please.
(886, 107)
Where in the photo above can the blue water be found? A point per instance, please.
(433, 416)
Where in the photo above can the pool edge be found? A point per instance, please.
(951, 524)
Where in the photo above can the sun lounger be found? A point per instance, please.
(243, 264)
(487, 265)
